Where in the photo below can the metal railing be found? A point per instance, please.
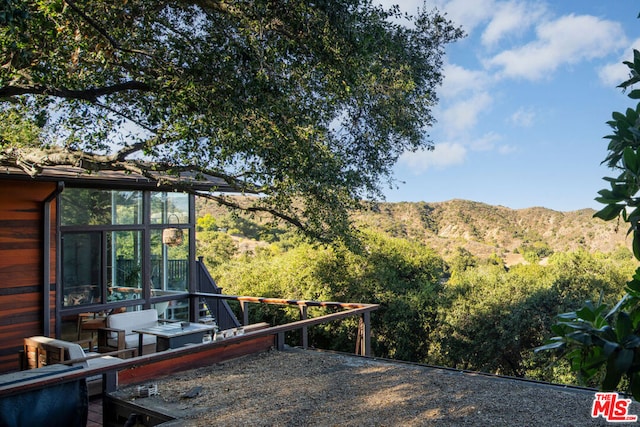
(219, 308)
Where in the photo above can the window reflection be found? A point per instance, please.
(104, 247)
(81, 206)
(81, 260)
(169, 208)
(124, 265)
(169, 265)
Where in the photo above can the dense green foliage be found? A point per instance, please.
(466, 312)
(401, 276)
(602, 340)
(307, 103)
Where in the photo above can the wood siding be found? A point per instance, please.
(21, 265)
(174, 361)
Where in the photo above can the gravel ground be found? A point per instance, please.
(304, 387)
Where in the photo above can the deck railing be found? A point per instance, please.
(363, 341)
(212, 352)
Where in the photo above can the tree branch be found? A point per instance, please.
(226, 202)
(227, 8)
(91, 94)
(102, 31)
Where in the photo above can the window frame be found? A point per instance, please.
(146, 227)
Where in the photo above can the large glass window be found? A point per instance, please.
(81, 206)
(105, 257)
(124, 265)
(169, 264)
(81, 273)
(169, 208)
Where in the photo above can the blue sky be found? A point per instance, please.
(522, 110)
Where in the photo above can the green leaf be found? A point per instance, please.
(619, 117)
(623, 326)
(614, 194)
(635, 318)
(617, 306)
(631, 160)
(581, 337)
(634, 386)
(607, 333)
(636, 245)
(591, 362)
(631, 341)
(558, 329)
(610, 347)
(571, 315)
(612, 376)
(554, 345)
(609, 212)
(624, 360)
(634, 94)
(587, 313)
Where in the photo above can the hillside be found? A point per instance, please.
(483, 229)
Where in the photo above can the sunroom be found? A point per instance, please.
(76, 246)
(125, 249)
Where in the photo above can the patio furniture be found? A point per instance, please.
(119, 333)
(42, 351)
(161, 308)
(90, 322)
(174, 335)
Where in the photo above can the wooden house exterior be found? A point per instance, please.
(73, 245)
(53, 268)
(25, 286)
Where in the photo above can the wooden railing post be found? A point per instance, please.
(363, 338)
(365, 342)
(280, 341)
(244, 305)
(305, 332)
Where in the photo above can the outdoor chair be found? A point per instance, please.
(90, 322)
(42, 351)
(119, 335)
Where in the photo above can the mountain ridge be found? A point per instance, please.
(485, 229)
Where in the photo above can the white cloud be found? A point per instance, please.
(463, 115)
(509, 18)
(486, 142)
(466, 13)
(614, 74)
(459, 80)
(523, 117)
(444, 155)
(506, 149)
(448, 154)
(567, 40)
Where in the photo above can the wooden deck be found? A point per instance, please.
(94, 418)
(257, 338)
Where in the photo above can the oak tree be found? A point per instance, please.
(308, 104)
